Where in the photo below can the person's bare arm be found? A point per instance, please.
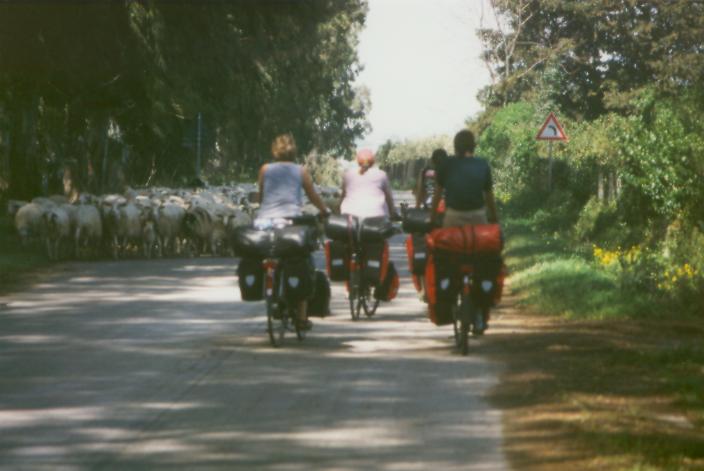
(420, 190)
(390, 199)
(311, 193)
(437, 196)
(492, 215)
(260, 183)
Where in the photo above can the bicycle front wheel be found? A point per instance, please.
(369, 304)
(355, 305)
(276, 322)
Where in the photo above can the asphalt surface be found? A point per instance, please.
(150, 365)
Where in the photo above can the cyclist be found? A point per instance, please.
(281, 187)
(467, 185)
(466, 182)
(366, 191)
(426, 181)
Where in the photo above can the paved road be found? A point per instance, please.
(158, 365)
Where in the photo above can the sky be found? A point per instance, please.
(421, 64)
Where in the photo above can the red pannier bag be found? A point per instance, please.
(441, 207)
(440, 313)
(388, 289)
(468, 239)
(337, 260)
(416, 282)
(417, 253)
(439, 289)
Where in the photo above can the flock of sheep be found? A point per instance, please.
(151, 222)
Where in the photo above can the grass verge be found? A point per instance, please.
(595, 385)
(554, 280)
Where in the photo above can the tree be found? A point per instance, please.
(91, 88)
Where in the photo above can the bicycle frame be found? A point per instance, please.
(280, 314)
(359, 290)
(468, 312)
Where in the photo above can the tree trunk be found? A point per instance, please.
(24, 175)
(600, 185)
(612, 186)
(104, 165)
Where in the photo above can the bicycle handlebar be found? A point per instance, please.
(305, 219)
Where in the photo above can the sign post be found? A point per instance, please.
(551, 131)
(199, 132)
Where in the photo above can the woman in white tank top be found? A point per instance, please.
(281, 187)
(282, 183)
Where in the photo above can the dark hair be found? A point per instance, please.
(464, 142)
(438, 156)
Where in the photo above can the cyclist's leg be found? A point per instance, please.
(303, 320)
(422, 294)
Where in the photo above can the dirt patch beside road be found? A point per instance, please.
(599, 394)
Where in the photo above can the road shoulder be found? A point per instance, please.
(598, 394)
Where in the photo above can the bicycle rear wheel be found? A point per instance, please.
(276, 322)
(355, 296)
(462, 319)
(355, 305)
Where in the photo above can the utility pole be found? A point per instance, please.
(549, 165)
(199, 131)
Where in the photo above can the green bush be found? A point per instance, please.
(595, 219)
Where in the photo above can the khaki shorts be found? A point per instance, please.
(454, 218)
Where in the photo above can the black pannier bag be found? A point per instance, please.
(420, 254)
(250, 242)
(342, 228)
(447, 280)
(319, 303)
(295, 241)
(337, 259)
(416, 220)
(296, 279)
(487, 269)
(287, 241)
(251, 279)
(376, 261)
(376, 229)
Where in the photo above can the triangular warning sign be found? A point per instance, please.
(551, 130)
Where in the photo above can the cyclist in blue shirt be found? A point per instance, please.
(467, 185)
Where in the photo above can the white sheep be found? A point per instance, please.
(110, 219)
(43, 201)
(129, 226)
(149, 235)
(198, 229)
(29, 222)
(169, 222)
(57, 230)
(89, 229)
